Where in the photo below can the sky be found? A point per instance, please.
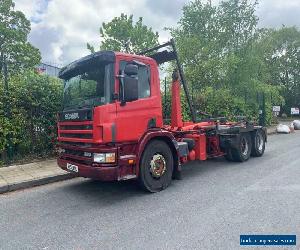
(62, 28)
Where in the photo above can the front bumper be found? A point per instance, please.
(97, 173)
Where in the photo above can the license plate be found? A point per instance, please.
(72, 167)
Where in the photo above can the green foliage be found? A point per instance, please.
(167, 103)
(227, 60)
(281, 53)
(222, 103)
(15, 51)
(224, 58)
(122, 34)
(17, 56)
(212, 40)
(34, 101)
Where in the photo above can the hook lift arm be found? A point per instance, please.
(167, 56)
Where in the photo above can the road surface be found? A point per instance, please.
(214, 203)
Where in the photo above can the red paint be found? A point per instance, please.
(200, 146)
(123, 129)
(214, 146)
(192, 155)
(132, 119)
(98, 173)
(148, 136)
(176, 117)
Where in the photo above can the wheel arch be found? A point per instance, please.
(161, 135)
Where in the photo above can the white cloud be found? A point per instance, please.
(275, 13)
(61, 28)
(28, 7)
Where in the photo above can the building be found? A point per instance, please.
(51, 70)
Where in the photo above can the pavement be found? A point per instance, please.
(214, 203)
(29, 175)
(34, 174)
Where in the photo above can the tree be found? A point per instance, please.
(281, 52)
(220, 50)
(213, 39)
(122, 34)
(15, 51)
(16, 55)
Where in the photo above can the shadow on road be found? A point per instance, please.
(198, 168)
(118, 191)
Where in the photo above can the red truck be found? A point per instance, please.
(112, 127)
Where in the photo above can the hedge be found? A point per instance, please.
(34, 101)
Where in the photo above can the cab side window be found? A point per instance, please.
(143, 79)
(144, 82)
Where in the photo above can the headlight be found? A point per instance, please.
(105, 157)
(99, 158)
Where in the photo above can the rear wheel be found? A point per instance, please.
(156, 166)
(258, 144)
(243, 151)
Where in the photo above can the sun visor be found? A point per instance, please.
(83, 64)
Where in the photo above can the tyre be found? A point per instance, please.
(243, 151)
(258, 143)
(156, 166)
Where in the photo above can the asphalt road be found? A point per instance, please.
(214, 203)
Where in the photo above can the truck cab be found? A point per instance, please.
(110, 100)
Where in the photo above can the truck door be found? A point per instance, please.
(135, 117)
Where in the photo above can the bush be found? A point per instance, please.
(34, 101)
(224, 102)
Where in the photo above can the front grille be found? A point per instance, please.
(76, 127)
(82, 136)
(76, 130)
(77, 144)
(78, 153)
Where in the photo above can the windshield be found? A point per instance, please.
(90, 88)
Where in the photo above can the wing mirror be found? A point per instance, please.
(131, 70)
(129, 83)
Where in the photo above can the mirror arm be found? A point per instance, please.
(123, 102)
(121, 78)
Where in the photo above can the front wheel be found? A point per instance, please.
(156, 166)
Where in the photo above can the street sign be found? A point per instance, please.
(276, 108)
(294, 111)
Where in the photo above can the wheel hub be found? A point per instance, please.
(158, 166)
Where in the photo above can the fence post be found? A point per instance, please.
(262, 111)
